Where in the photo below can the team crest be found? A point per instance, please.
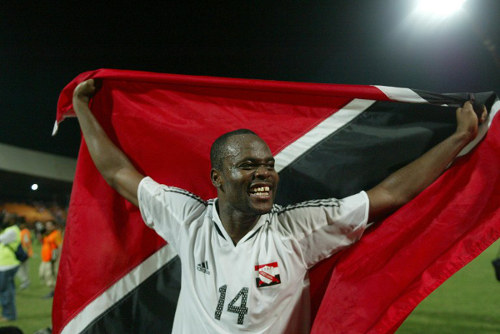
(267, 274)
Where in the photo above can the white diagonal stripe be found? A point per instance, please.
(401, 94)
(120, 289)
(320, 132)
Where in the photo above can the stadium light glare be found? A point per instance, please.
(439, 8)
(34, 187)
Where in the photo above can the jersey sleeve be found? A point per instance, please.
(168, 210)
(324, 227)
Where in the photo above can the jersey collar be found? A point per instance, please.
(223, 233)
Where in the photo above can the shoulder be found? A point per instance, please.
(149, 188)
(314, 214)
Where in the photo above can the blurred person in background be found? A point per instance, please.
(39, 231)
(51, 247)
(23, 272)
(10, 238)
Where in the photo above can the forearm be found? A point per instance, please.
(106, 156)
(111, 162)
(410, 180)
(406, 183)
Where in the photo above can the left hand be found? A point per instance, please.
(468, 120)
(85, 90)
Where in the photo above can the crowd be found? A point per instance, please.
(17, 236)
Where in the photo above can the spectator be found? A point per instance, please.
(10, 238)
(51, 244)
(39, 230)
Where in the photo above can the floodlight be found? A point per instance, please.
(441, 8)
(34, 187)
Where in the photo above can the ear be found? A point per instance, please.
(216, 178)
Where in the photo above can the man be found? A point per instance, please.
(244, 259)
(10, 238)
(51, 243)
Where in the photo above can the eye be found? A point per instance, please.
(247, 165)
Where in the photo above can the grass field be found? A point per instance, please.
(469, 302)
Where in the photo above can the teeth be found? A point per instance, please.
(261, 190)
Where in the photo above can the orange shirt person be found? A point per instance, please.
(51, 244)
(26, 241)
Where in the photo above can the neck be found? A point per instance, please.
(236, 223)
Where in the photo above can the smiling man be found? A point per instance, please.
(245, 259)
(243, 173)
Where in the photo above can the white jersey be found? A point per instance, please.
(259, 285)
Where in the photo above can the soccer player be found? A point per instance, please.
(245, 259)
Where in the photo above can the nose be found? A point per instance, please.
(262, 172)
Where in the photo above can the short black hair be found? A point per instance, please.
(219, 147)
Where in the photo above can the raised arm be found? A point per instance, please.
(403, 185)
(111, 162)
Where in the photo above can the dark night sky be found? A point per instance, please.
(45, 44)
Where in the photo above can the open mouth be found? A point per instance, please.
(260, 191)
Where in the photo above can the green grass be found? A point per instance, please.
(469, 302)
(33, 312)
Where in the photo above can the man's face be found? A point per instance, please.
(248, 181)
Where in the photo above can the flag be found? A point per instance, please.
(117, 276)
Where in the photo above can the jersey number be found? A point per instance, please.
(240, 310)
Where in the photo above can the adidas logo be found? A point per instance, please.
(203, 267)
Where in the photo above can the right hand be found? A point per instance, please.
(85, 90)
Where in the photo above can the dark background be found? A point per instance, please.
(45, 44)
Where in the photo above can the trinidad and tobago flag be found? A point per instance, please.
(117, 276)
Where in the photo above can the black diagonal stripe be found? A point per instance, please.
(385, 137)
(458, 99)
(140, 311)
(453, 100)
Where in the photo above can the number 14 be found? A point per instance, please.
(240, 310)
